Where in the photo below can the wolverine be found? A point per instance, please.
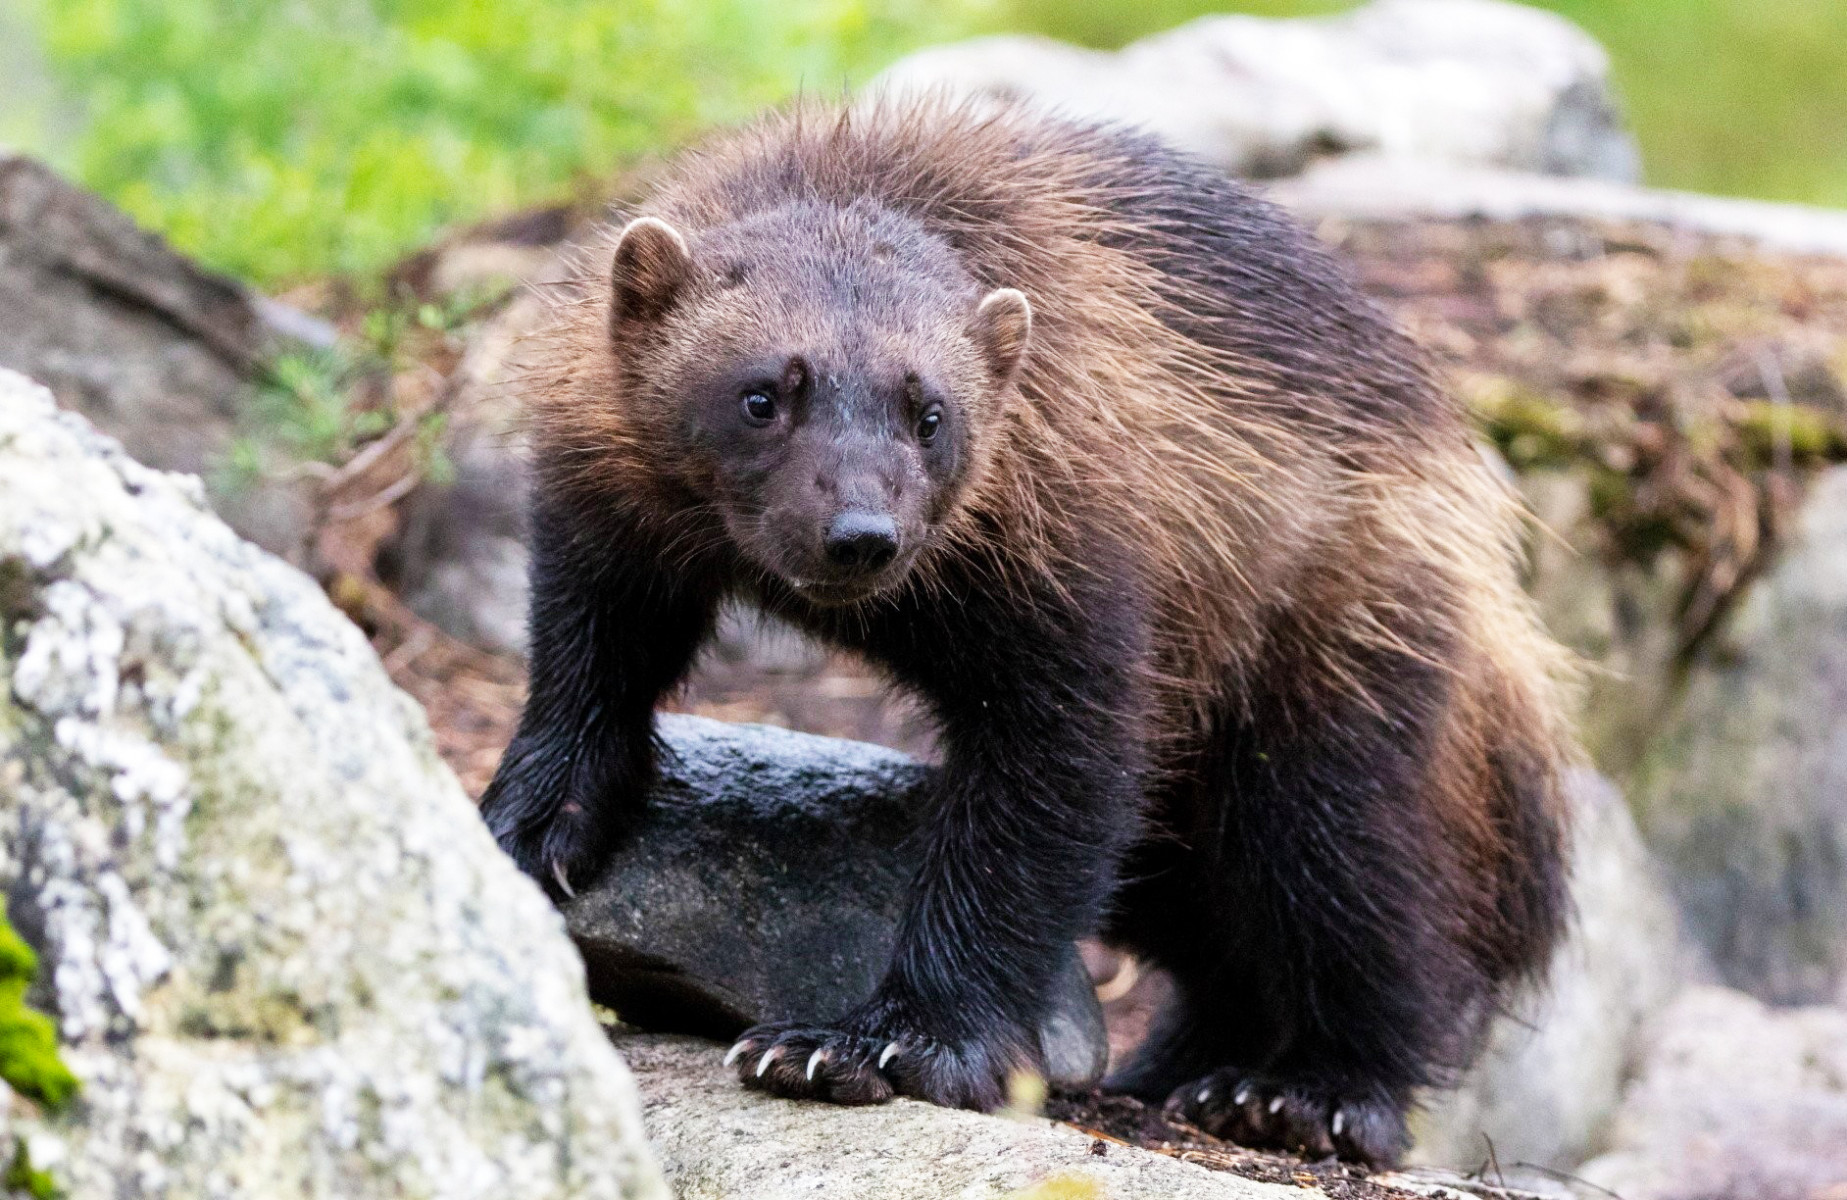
(1185, 550)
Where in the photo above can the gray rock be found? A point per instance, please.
(158, 353)
(284, 956)
(764, 883)
(1621, 617)
(1476, 82)
(718, 1141)
(1744, 794)
(1735, 1100)
(461, 553)
(1553, 1073)
(462, 550)
(1376, 188)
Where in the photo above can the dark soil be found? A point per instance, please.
(1121, 1120)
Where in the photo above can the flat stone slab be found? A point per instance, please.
(717, 1141)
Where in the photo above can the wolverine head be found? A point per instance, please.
(826, 378)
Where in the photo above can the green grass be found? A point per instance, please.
(1741, 97)
(280, 139)
(288, 139)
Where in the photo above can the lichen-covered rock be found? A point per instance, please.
(1744, 793)
(1476, 82)
(284, 956)
(764, 881)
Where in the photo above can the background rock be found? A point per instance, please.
(1736, 1102)
(1744, 793)
(1373, 187)
(460, 556)
(1455, 81)
(157, 352)
(1554, 1069)
(764, 883)
(282, 951)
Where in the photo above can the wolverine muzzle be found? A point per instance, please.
(861, 541)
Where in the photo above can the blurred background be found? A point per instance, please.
(284, 140)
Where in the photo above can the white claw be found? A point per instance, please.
(1276, 1105)
(814, 1060)
(564, 884)
(887, 1054)
(1205, 1094)
(1244, 1095)
(769, 1056)
(1340, 1121)
(731, 1055)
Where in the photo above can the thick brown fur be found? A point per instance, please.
(1310, 569)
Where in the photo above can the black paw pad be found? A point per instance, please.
(1310, 1119)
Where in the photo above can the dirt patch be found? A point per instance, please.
(1120, 1120)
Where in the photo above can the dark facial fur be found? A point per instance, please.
(846, 369)
(1202, 579)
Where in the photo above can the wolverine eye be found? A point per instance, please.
(759, 406)
(928, 424)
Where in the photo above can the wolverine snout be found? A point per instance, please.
(861, 541)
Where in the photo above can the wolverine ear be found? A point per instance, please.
(652, 264)
(1000, 328)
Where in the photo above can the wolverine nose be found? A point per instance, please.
(862, 541)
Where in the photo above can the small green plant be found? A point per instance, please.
(29, 1059)
(305, 404)
(303, 414)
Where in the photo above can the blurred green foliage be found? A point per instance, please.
(1742, 97)
(284, 139)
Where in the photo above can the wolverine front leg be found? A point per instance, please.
(1039, 791)
(611, 632)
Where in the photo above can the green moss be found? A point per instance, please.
(1530, 430)
(23, 1177)
(1802, 434)
(29, 1059)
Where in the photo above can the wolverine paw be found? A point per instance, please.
(869, 1065)
(1310, 1119)
(562, 852)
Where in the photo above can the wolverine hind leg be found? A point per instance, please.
(1317, 919)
